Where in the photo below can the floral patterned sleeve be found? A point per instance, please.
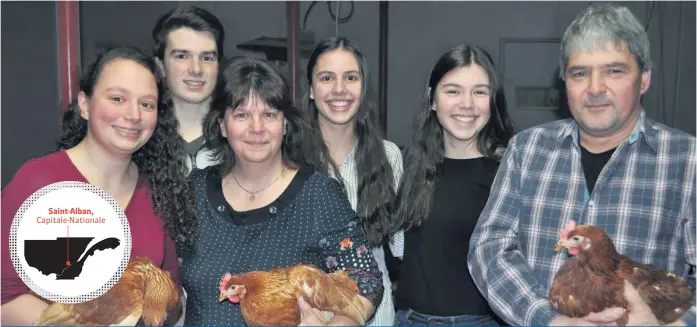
(344, 245)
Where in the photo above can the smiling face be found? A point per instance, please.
(462, 101)
(122, 111)
(604, 87)
(336, 87)
(254, 130)
(191, 65)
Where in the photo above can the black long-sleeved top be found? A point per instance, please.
(434, 278)
(311, 222)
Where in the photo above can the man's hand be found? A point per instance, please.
(605, 317)
(560, 320)
(640, 313)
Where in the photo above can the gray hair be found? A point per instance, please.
(600, 23)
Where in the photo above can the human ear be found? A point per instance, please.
(83, 104)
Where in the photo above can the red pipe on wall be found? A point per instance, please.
(68, 42)
(293, 47)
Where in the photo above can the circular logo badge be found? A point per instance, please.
(70, 242)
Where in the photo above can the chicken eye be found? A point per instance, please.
(575, 238)
(232, 287)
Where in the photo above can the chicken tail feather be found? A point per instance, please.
(343, 279)
(354, 310)
(335, 292)
(667, 294)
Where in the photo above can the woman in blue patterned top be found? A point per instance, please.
(267, 204)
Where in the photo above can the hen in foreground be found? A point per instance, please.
(145, 293)
(593, 279)
(270, 298)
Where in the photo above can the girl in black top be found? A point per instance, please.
(460, 136)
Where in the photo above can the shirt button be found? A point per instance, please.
(273, 210)
(221, 208)
(591, 203)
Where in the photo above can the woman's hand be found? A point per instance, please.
(310, 316)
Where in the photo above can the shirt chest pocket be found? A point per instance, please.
(664, 202)
(654, 216)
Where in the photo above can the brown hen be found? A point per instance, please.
(593, 279)
(269, 298)
(144, 294)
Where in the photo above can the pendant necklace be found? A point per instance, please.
(252, 194)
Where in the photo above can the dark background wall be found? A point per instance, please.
(520, 36)
(29, 98)
(421, 31)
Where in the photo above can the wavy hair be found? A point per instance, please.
(427, 150)
(238, 80)
(605, 22)
(160, 159)
(376, 182)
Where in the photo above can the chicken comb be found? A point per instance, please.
(224, 280)
(568, 228)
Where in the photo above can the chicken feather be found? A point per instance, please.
(269, 298)
(593, 279)
(143, 293)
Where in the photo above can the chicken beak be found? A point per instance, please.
(559, 246)
(222, 298)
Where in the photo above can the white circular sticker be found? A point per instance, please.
(70, 242)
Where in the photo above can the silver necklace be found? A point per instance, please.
(251, 194)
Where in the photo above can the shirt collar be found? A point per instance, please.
(644, 129)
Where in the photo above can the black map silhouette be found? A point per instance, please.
(49, 256)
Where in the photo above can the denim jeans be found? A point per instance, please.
(413, 318)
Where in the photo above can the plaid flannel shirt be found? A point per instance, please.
(644, 199)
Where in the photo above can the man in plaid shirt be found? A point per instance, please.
(610, 166)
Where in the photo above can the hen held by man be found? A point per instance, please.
(270, 298)
(593, 279)
(145, 294)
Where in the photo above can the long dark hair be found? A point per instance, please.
(375, 176)
(426, 149)
(241, 76)
(160, 159)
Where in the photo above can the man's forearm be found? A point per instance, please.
(510, 297)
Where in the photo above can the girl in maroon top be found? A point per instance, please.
(120, 135)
